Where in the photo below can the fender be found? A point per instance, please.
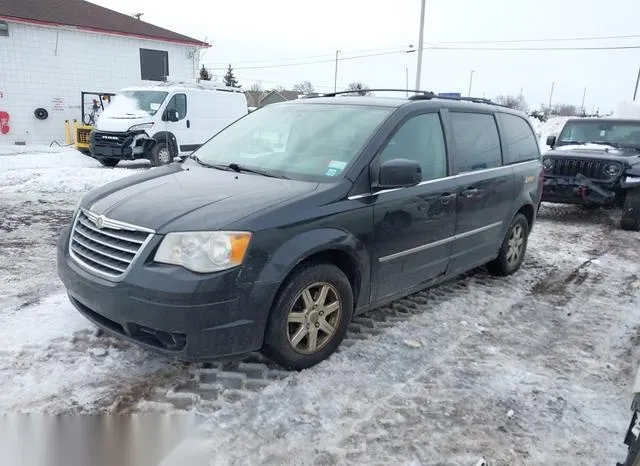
(294, 251)
(162, 136)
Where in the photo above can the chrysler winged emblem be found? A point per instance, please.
(100, 221)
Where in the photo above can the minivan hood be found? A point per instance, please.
(121, 123)
(190, 197)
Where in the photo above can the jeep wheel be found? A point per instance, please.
(161, 154)
(108, 162)
(631, 211)
(310, 316)
(513, 248)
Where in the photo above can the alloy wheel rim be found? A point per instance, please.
(314, 318)
(515, 244)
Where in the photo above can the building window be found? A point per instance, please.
(154, 64)
(4, 29)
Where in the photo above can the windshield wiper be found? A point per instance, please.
(606, 143)
(236, 167)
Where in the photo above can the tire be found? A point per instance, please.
(161, 154)
(290, 329)
(630, 219)
(108, 162)
(517, 237)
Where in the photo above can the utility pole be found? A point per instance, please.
(584, 95)
(551, 95)
(406, 73)
(635, 93)
(420, 44)
(470, 81)
(335, 76)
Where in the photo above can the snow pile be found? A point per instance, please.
(629, 110)
(122, 105)
(551, 127)
(56, 171)
(537, 125)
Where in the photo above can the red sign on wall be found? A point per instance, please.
(4, 123)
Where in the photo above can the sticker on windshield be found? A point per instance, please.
(337, 164)
(153, 106)
(332, 172)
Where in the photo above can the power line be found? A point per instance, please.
(437, 47)
(283, 65)
(618, 47)
(326, 55)
(557, 39)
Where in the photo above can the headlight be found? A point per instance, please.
(612, 169)
(204, 251)
(547, 164)
(142, 126)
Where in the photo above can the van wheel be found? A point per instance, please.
(108, 162)
(513, 248)
(309, 318)
(161, 154)
(631, 211)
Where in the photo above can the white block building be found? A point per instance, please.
(51, 52)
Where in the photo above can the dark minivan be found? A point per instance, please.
(284, 225)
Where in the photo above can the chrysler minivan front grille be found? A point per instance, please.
(106, 246)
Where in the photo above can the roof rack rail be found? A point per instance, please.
(418, 95)
(355, 92)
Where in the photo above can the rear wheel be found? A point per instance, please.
(631, 211)
(513, 248)
(310, 316)
(108, 162)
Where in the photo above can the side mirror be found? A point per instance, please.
(399, 173)
(171, 114)
(551, 141)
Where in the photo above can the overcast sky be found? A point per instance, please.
(253, 33)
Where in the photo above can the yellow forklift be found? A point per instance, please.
(78, 133)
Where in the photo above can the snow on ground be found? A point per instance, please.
(531, 369)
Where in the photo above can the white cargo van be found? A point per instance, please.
(163, 121)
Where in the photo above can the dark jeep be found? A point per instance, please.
(596, 162)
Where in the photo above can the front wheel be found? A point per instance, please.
(513, 248)
(631, 211)
(161, 154)
(310, 316)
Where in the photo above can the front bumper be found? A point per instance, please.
(171, 310)
(125, 146)
(577, 190)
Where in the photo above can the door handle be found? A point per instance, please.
(188, 124)
(469, 192)
(446, 198)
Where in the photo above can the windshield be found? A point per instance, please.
(617, 134)
(314, 142)
(146, 101)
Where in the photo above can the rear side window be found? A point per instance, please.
(519, 139)
(477, 142)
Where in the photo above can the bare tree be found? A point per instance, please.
(359, 88)
(512, 101)
(305, 87)
(280, 88)
(561, 110)
(257, 87)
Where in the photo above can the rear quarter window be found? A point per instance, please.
(476, 141)
(520, 141)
